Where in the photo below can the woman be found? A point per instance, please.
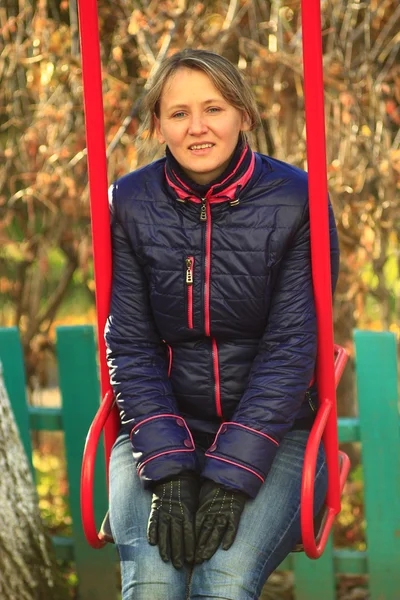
(211, 344)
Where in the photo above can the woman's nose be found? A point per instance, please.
(197, 125)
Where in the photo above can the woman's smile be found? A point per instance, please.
(201, 149)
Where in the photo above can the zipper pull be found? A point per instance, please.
(235, 200)
(189, 271)
(203, 210)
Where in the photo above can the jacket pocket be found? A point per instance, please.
(189, 280)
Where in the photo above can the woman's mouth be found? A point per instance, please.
(200, 149)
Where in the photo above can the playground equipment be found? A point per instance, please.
(331, 359)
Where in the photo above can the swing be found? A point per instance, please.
(331, 358)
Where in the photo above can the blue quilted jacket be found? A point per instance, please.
(212, 324)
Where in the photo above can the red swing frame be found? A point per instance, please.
(328, 371)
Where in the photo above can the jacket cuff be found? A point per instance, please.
(162, 446)
(240, 458)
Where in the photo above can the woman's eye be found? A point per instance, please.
(180, 114)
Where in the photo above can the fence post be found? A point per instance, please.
(315, 579)
(80, 391)
(376, 369)
(15, 381)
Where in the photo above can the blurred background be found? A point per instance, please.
(46, 269)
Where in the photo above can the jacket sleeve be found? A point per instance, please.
(161, 441)
(244, 448)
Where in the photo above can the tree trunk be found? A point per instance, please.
(28, 570)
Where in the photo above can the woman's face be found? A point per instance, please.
(200, 128)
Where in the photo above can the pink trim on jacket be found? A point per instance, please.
(170, 416)
(181, 193)
(231, 189)
(207, 271)
(216, 375)
(190, 295)
(162, 454)
(169, 357)
(230, 462)
(155, 417)
(190, 307)
(249, 429)
(179, 179)
(170, 360)
(229, 192)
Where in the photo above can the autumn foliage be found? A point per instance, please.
(45, 241)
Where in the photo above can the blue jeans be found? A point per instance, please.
(269, 529)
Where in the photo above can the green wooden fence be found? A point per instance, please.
(377, 428)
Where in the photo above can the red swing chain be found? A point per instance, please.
(95, 135)
(326, 420)
(97, 167)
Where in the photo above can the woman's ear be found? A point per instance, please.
(159, 135)
(246, 122)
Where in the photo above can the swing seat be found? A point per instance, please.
(324, 427)
(322, 523)
(321, 517)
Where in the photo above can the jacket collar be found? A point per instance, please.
(226, 187)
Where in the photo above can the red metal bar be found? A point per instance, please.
(96, 151)
(341, 357)
(312, 546)
(87, 476)
(321, 269)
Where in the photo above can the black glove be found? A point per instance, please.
(217, 519)
(171, 521)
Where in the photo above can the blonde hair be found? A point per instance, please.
(225, 76)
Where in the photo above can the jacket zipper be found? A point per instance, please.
(205, 216)
(189, 283)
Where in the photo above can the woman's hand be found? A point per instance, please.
(172, 515)
(217, 519)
